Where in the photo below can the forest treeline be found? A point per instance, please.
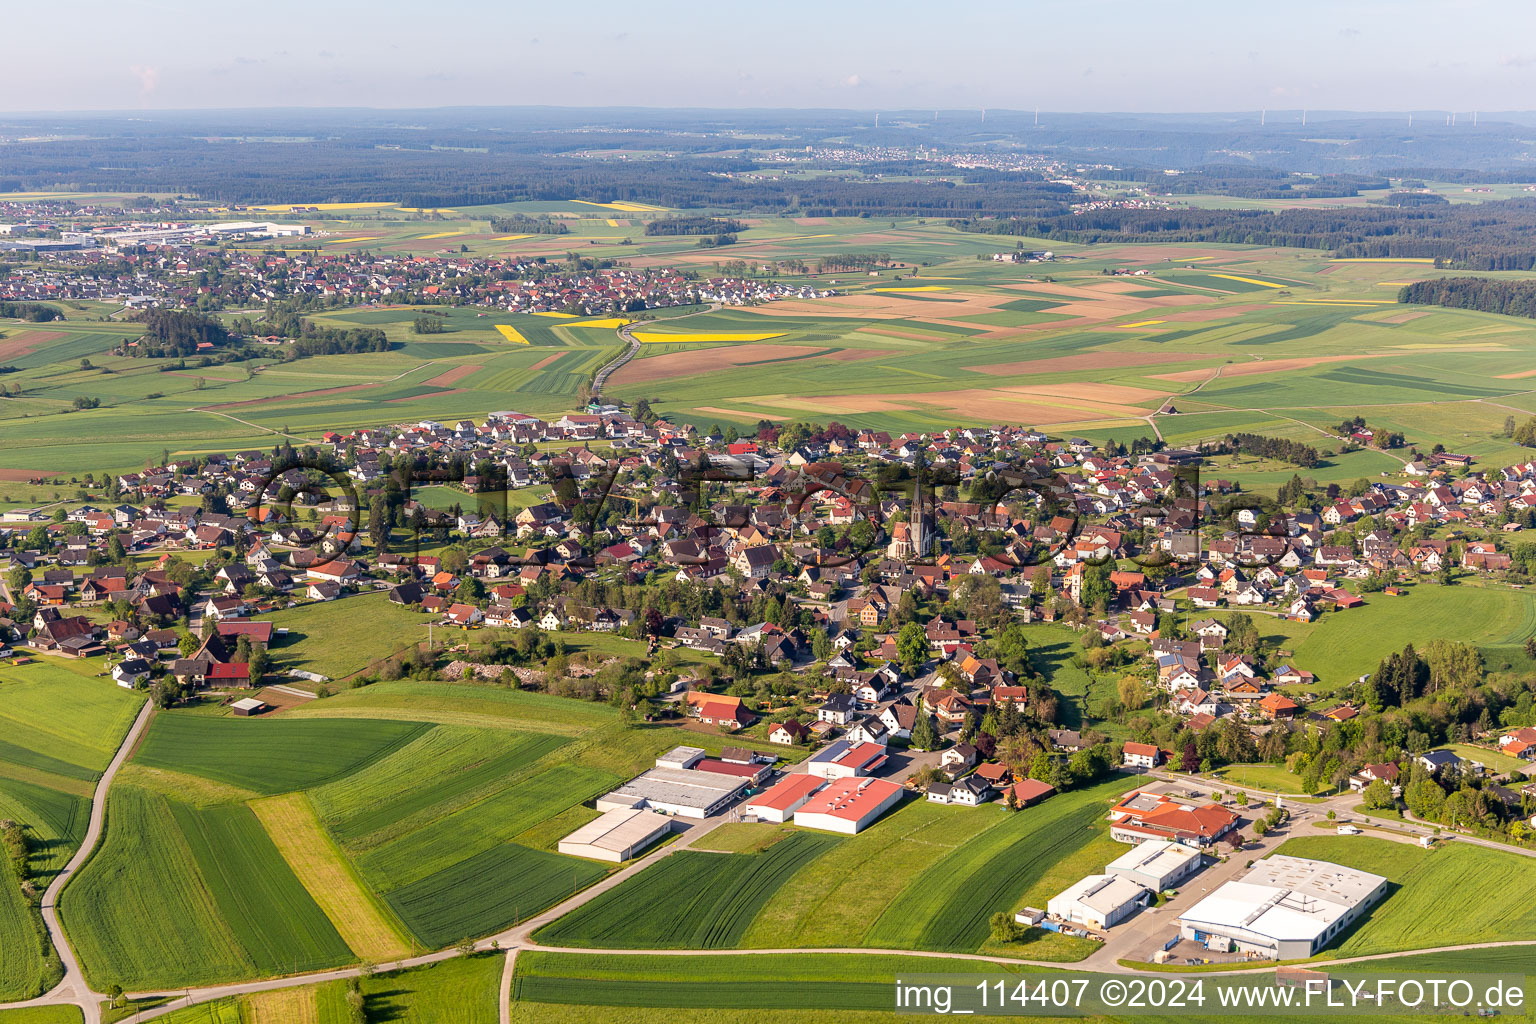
(1488, 295)
(32, 312)
(1283, 449)
(1498, 235)
(360, 170)
(522, 224)
(695, 226)
(1246, 182)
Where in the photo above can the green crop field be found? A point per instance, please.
(688, 900)
(229, 908)
(444, 842)
(946, 907)
(464, 990)
(1455, 893)
(442, 766)
(43, 1015)
(834, 898)
(489, 891)
(270, 756)
(24, 971)
(59, 726)
(829, 981)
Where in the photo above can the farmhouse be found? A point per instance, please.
(1286, 908)
(685, 793)
(1099, 901)
(1157, 864)
(616, 835)
(849, 805)
(781, 801)
(1142, 755)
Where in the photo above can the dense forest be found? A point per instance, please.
(1489, 295)
(1284, 449)
(695, 226)
(33, 312)
(169, 332)
(1245, 182)
(522, 224)
(1497, 235)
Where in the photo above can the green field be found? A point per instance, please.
(946, 907)
(59, 727)
(229, 908)
(489, 891)
(444, 765)
(1454, 893)
(1270, 777)
(463, 990)
(690, 900)
(827, 981)
(338, 638)
(273, 755)
(43, 1015)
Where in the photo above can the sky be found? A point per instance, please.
(1088, 55)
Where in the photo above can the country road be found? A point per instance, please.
(73, 990)
(612, 366)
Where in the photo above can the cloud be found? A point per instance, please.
(149, 78)
(852, 81)
(1349, 33)
(1522, 60)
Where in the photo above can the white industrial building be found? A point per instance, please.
(680, 757)
(679, 791)
(1099, 901)
(842, 759)
(1157, 864)
(616, 835)
(1286, 908)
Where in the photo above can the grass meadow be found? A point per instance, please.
(1454, 893)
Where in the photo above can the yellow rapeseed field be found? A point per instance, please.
(611, 323)
(1250, 280)
(512, 334)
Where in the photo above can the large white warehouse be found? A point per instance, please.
(1286, 908)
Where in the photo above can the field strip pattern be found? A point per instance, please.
(295, 829)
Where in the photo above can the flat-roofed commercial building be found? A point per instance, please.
(1157, 864)
(781, 800)
(1286, 908)
(679, 791)
(845, 760)
(848, 805)
(617, 835)
(1099, 901)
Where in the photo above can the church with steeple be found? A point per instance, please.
(913, 538)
